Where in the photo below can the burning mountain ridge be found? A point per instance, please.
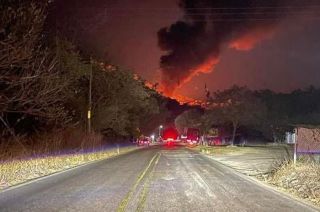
(179, 98)
(193, 45)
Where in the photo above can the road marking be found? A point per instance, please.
(124, 203)
(143, 195)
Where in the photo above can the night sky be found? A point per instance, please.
(284, 56)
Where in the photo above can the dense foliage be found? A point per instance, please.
(45, 82)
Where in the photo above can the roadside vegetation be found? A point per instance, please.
(19, 165)
(301, 179)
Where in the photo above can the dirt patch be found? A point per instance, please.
(256, 161)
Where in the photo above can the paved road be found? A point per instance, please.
(153, 179)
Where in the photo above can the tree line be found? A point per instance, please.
(265, 113)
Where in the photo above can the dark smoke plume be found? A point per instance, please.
(193, 45)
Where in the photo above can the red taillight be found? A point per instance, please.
(169, 143)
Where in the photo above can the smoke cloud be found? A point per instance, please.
(194, 45)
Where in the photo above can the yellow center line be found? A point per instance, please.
(143, 196)
(123, 204)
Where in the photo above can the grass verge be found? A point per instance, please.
(22, 170)
(301, 179)
(26, 158)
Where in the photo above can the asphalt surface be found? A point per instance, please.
(158, 178)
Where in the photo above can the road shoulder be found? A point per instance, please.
(256, 181)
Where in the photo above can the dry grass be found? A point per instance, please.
(19, 171)
(302, 179)
(24, 159)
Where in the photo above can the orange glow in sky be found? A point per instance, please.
(249, 40)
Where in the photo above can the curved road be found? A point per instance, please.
(155, 179)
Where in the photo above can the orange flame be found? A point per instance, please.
(180, 98)
(169, 87)
(149, 84)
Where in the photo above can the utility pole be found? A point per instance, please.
(90, 98)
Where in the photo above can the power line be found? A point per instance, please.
(240, 12)
(226, 19)
(222, 8)
(208, 9)
(226, 13)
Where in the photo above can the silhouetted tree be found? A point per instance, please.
(237, 106)
(31, 85)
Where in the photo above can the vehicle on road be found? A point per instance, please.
(193, 135)
(112, 180)
(170, 134)
(144, 141)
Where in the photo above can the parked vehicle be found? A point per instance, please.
(144, 141)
